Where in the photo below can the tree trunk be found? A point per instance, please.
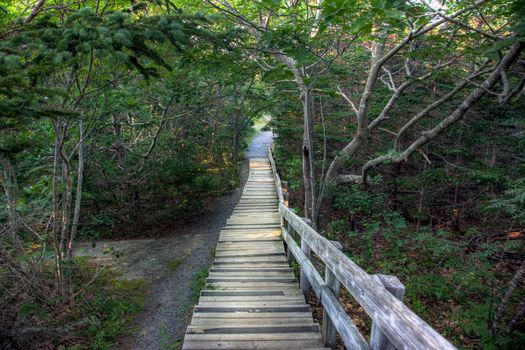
(337, 165)
(308, 158)
(55, 200)
(506, 298)
(67, 199)
(78, 195)
(236, 136)
(10, 185)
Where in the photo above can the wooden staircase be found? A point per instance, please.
(252, 299)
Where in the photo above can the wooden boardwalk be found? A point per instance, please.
(252, 299)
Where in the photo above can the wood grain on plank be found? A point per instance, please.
(252, 299)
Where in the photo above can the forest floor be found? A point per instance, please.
(172, 266)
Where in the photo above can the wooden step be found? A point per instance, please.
(252, 299)
(271, 344)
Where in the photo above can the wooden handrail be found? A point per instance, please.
(341, 321)
(276, 177)
(403, 328)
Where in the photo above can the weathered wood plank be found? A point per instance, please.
(247, 246)
(400, 324)
(253, 336)
(251, 304)
(329, 330)
(282, 344)
(254, 329)
(254, 274)
(303, 279)
(231, 299)
(253, 259)
(255, 322)
(260, 292)
(378, 340)
(251, 274)
(252, 285)
(248, 253)
(349, 333)
(270, 309)
(253, 299)
(251, 315)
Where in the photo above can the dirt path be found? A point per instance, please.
(170, 265)
(259, 146)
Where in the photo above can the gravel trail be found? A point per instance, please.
(170, 301)
(170, 265)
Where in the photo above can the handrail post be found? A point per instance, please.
(378, 340)
(329, 332)
(284, 189)
(291, 233)
(303, 280)
(286, 195)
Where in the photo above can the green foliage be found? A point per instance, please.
(174, 264)
(475, 317)
(292, 169)
(432, 286)
(166, 100)
(335, 227)
(166, 341)
(356, 201)
(511, 204)
(110, 305)
(199, 282)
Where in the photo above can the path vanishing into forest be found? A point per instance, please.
(252, 298)
(170, 264)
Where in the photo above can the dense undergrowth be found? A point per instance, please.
(399, 129)
(456, 267)
(94, 316)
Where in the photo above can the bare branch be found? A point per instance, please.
(349, 179)
(464, 107)
(433, 106)
(36, 10)
(516, 90)
(439, 13)
(318, 15)
(425, 29)
(391, 85)
(506, 298)
(348, 99)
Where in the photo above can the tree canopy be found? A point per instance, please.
(399, 126)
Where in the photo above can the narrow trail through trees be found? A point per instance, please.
(170, 299)
(252, 298)
(259, 146)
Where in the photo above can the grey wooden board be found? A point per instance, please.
(248, 292)
(254, 336)
(197, 321)
(276, 344)
(248, 316)
(400, 325)
(252, 299)
(278, 298)
(252, 274)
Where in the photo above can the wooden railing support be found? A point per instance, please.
(349, 333)
(329, 331)
(286, 195)
(289, 254)
(303, 280)
(378, 340)
(394, 325)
